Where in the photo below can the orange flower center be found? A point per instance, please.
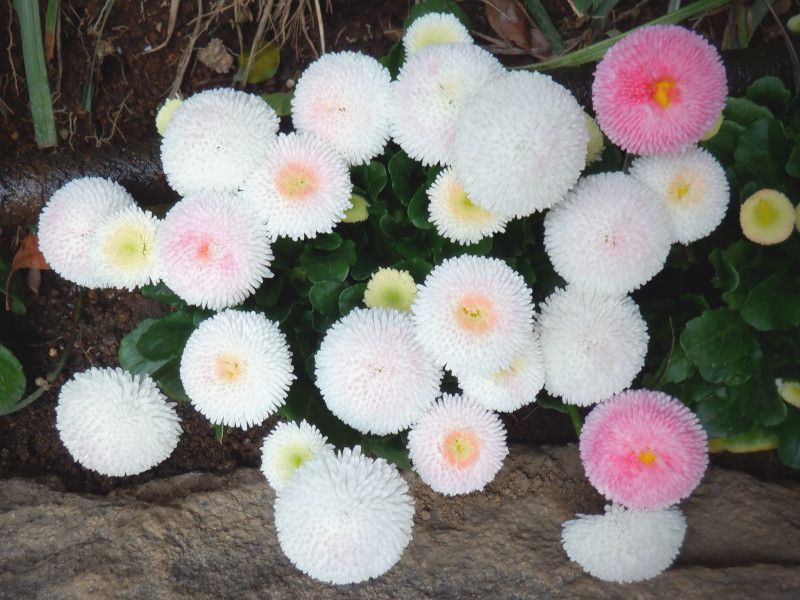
(647, 457)
(297, 181)
(461, 448)
(662, 91)
(475, 314)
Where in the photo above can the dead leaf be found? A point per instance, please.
(215, 56)
(510, 21)
(28, 256)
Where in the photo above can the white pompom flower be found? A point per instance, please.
(236, 368)
(624, 545)
(612, 234)
(593, 345)
(343, 97)
(693, 187)
(520, 144)
(214, 139)
(287, 447)
(344, 518)
(434, 28)
(511, 388)
(473, 314)
(213, 250)
(458, 446)
(372, 372)
(115, 423)
(429, 93)
(124, 248)
(68, 223)
(455, 216)
(301, 186)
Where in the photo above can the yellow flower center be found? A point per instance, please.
(462, 208)
(503, 374)
(292, 457)
(765, 212)
(229, 367)
(647, 457)
(297, 181)
(461, 448)
(662, 92)
(475, 314)
(128, 248)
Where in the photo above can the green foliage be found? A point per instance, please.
(12, 381)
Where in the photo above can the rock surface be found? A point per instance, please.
(210, 536)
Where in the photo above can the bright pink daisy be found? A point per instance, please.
(643, 449)
(659, 89)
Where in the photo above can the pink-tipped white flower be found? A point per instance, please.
(693, 187)
(612, 234)
(344, 97)
(214, 140)
(430, 91)
(434, 28)
(236, 368)
(124, 248)
(659, 89)
(68, 222)
(372, 372)
(473, 314)
(116, 423)
(520, 144)
(302, 186)
(288, 447)
(511, 388)
(344, 517)
(458, 446)
(643, 449)
(213, 250)
(455, 216)
(592, 345)
(624, 546)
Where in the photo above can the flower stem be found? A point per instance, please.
(577, 422)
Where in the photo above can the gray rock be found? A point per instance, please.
(210, 536)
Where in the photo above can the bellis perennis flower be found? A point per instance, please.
(236, 368)
(116, 423)
(124, 248)
(390, 288)
(643, 449)
(625, 545)
(344, 517)
(372, 372)
(287, 447)
(767, 217)
(458, 446)
(214, 139)
(434, 28)
(68, 223)
(213, 250)
(344, 98)
(473, 314)
(659, 89)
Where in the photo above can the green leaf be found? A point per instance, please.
(281, 102)
(265, 64)
(721, 418)
(129, 356)
(721, 345)
(327, 241)
(745, 112)
(324, 296)
(679, 368)
(391, 448)
(159, 291)
(771, 92)
(789, 440)
(16, 290)
(436, 6)
(268, 292)
(328, 266)
(763, 151)
(394, 59)
(12, 381)
(773, 304)
(219, 431)
(166, 337)
(407, 176)
(351, 297)
(168, 378)
(756, 440)
(723, 145)
(727, 277)
(793, 162)
(418, 210)
(371, 178)
(758, 399)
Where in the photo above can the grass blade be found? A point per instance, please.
(596, 51)
(30, 25)
(50, 25)
(542, 19)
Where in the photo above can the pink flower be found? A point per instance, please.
(643, 449)
(659, 89)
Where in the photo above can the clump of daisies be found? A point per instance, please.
(344, 517)
(116, 423)
(289, 446)
(373, 373)
(645, 451)
(236, 368)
